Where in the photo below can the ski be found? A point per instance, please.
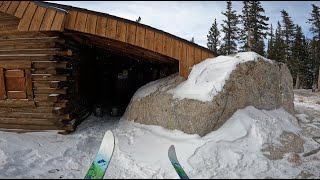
(103, 157)
(175, 163)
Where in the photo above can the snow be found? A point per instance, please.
(141, 151)
(233, 151)
(208, 77)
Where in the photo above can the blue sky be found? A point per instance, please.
(188, 19)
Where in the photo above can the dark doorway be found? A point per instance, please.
(109, 80)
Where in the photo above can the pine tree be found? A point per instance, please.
(279, 51)
(299, 61)
(254, 27)
(229, 45)
(315, 44)
(259, 26)
(244, 32)
(138, 20)
(315, 22)
(192, 40)
(270, 50)
(213, 37)
(288, 32)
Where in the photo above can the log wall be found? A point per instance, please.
(44, 69)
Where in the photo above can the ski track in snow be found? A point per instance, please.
(233, 151)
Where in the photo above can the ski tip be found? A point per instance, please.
(109, 133)
(171, 147)
(171, 151)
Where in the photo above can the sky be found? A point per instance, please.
(187, 19)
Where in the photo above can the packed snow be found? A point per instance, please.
(208, 77)
(233, 151)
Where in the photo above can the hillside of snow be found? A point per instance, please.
(233, 151)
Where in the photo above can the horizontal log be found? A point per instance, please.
(55, 98)
(51, 70)
(29, 121)
(28, 115)
(39, 65)
(37, 51)
(17, 103)
(15, 64)
(49, 104)
(19, 35)
(45, 71)
(29, 58)
(30, 40)
(44, 45)
(60, 111)
(38, 77)
(50, 91)
(27, 110)
(31, 127)
(58, 84)
(40, 84)
(14, 73)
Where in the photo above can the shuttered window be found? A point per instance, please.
(15, 82)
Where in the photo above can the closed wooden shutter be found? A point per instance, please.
(15, 80)
(15, 83)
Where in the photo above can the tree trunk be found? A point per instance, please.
(297, 82)
(319, 80)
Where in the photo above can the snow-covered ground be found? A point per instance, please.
(233, 151)
(251, 144)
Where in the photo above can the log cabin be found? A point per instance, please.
(57, 62)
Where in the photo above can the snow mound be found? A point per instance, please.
(208, 77)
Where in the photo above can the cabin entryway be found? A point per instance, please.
(108, 80)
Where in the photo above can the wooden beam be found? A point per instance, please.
(38, 77)
(31, 40)
(26, 110)
(37, 51)
(50, 91)
(28, 58)
(28, 121)
(44, 45)
(40, 65)
(17, 103)
(28, 115)
(30, 127)
(15, 64)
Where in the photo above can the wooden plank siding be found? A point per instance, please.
(91, 24)
(37, 19)
(13, 7)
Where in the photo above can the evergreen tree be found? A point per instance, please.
(254, 27)
(315, 43)
(279, 51)
(192, 40)
(270, 50)
(259, 26)
(230, 29)
(288, 32)
(138, 20)
(299, 62)
(315, 22)
(245, 30)
(213, 37)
